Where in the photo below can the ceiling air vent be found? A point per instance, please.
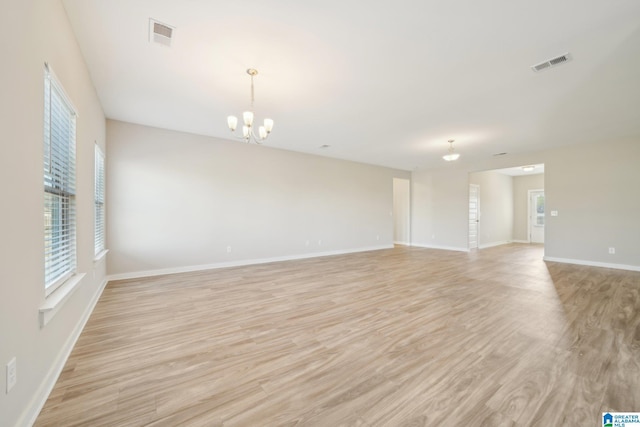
(553, 62)
(160, 33)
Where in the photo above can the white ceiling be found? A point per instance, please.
(381, 82)
(519, 171)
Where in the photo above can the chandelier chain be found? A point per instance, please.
(251, 92)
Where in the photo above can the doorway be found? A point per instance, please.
(536, 216)
(401, 211)
(474, 215)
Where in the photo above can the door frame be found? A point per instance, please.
(540, 190)
(477, 216)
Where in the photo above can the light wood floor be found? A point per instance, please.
(399, 337)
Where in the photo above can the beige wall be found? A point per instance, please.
(592, 187)
(521, 187)
(496, 207)
(32, 32)
(401, 211)
(177, 201)
(594, 190)
(440, 208)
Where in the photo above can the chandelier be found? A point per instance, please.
(248, 134)
(451, 156)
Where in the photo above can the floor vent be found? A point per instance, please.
(160, 33)
(553, 62)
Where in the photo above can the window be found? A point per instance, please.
(99, 218)
(59, 184)
(539, 209)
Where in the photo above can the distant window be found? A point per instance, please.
(99, 219)
(59, 184)
(540, 209)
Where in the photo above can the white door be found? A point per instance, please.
(401, 211)
(536, 216)
(474, 215)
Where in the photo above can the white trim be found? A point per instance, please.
(522, 241)
(101, 255)
(46, 386)
(402, 243)
(239, 263)
(529, 225)
(56, 81)
(593, 263)
(492, 244)
(55, 300)
(444, 248)
(478, 214)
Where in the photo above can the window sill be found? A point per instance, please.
(57, 299)
(101, 255)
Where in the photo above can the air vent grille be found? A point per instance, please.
(553, 62)
(160, 33)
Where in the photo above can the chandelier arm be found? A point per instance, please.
(252, 137)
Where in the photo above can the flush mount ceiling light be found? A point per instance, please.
(451, 156)
(247, 129)
(528, 168)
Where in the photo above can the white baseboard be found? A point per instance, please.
(593, 263)
(29, 417)
(520, 241)
(240, 263)
(444, 248)
(492, 244)
(402, 243)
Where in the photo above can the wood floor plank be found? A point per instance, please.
(398, 337)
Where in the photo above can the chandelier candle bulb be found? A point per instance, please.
(268, 125)
(263, 132)
(248, 118)
(245, 131)
(232, 121)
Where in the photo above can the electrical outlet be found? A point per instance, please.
(378, 237)
(319, 242)
(612, 251)
(12, 374)
(228, 249)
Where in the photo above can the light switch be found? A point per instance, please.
(554, 213)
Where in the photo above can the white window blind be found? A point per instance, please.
(99, 202)
(59, 184)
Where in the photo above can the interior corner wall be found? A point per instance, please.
(521, 187)
(496, 207)
(178, 201)
(402, 211)
(33, 32)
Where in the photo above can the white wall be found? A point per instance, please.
(402, 211)
(32, 32)
(521, 187)
(496, 207)
(176, 201)
(592, 186)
